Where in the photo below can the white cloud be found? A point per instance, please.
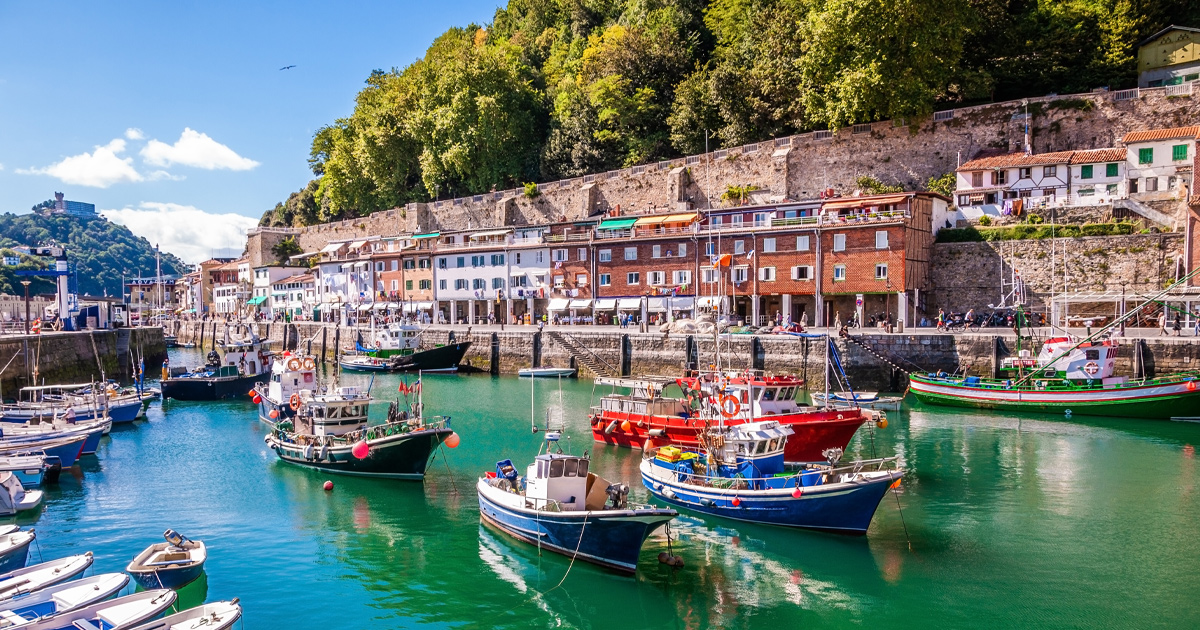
(1, 167)
(195, 149)
(133, 133)
(99, 169)
(186, 231)
(155, 176)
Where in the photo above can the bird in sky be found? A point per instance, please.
(288, 67)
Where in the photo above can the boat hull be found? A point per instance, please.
(843, 508)
(15, 557)
(440, 359)
(1150, 400)
(214, 388)
(66, 449)
(173, 579)
(612, 538)
(401, 456)
(812, 432)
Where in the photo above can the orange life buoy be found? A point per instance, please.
(293, 365)
(309, 363)
(725, 408)
(295, 401)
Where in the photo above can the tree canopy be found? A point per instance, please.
(559, 88)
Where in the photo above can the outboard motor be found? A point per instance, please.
(618, 495)
(175, 538)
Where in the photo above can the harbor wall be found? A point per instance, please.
(77, 357)
(872, 361)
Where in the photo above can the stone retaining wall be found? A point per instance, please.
(78, 357)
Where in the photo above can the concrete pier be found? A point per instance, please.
(75, 357)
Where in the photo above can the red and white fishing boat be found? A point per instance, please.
(716, 398)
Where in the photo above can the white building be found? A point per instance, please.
(225, 299)
(295, 295)
(260, 289)
(344, 276)
(994, 185)
(1159, 162)
(1097, 176)
(504, 272)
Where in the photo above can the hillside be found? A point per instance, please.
(101, 251)
(561, 88)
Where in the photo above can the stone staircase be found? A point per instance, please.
(1146, 211)
(584, 357)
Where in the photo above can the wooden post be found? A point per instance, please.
(337, 343)
(758, 355)
(537, 350)
(201, 344)
(995, 356)
(626, 356)
(494, 367)
(214, 335)
(324, 334)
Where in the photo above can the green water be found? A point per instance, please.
(1029, 523)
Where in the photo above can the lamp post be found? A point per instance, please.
(25, 283)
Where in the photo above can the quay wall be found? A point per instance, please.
(872, 361)
(73, 357)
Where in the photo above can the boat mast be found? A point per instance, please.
(827, 342)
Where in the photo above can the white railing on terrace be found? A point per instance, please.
(1183, 89)
(567, 238)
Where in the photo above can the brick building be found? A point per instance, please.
(646, 265)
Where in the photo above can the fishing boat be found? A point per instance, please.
(14, 497)
(548, 372)
(114, 614)
(171, 564)
(14, 546)
(80, 402)
(740, 474)
(331, 432)
(30, 470)
(214, 616)
(865, 400)
(225, 374)
(92, 430)
(21, 582)
(396, 348)
(60, 598)
(66, 448)
(279, 397)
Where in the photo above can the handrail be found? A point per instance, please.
(589, 351)
(820, 469)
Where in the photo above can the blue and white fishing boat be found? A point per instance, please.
(29, 469)
(66, 448)
(60, 598)
(12, 433)
(14, 547)
(171, 564)
(741, 475)
(115, 614)
(20, 582)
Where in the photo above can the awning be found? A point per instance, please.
(491, 233)
(858, 202)
(709, 301)
(332, 247)
(357, 244)
(682, 303)
(393, 305)
(559, 304)
(429, 235)
(581, 303)
(680, 218)
(256, 300)
(303, 255)
(411, 307)
(656, 305)
(650, 220)
(616, 224)
(627, 304)
(379, 306)
(364, 307)
(606, 305)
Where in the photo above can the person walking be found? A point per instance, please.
(1178, 324)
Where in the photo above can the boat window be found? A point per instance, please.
(762, 447)
(743, 395)
(275, 378)
(581, 468)
(352, 411)
(768, 394)
(569, 467)
(774, 445)
(742, 448)
(319, 412)
(556, 468)
(541, 469)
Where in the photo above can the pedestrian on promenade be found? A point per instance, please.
(1178, 324)
(1196, 317)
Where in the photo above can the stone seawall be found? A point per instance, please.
(874, 362)
(78, 357)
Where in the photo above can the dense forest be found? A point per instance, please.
(101, 251)
(559, 88)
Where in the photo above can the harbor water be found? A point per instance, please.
(1002, 521)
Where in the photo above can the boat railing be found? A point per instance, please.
(809, 469)
(1056, 383)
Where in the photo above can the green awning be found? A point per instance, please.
(257, 300)
(616, 224)
(429, 235)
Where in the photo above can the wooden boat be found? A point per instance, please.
(223, 376)
(29, 579)
(171, 564)
(214, 616)
(741, 475)
(548, 372)
(865, 400)
(60, 598)
(14, 548)
(121, 613)
(399, 347)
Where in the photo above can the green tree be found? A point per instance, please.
(285, 249)
(944, 185)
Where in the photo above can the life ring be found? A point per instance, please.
(294, 401)
(293, 364)
(378, 345)
(650, 392)
(309, 363)
(725, 408)
(1091, 368)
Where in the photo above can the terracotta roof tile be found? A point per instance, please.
(1194, 201)
(1095, 156)
(1150, 135)
(1017, 159)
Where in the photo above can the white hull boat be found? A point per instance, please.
(214, 616)
(863, 400)
(117, 614)
(548, 372)
(39, 576)
(59, 599)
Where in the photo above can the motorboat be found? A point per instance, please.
(14, 497)
(34, 431)
(226, 374)
(115, 614)
(548, 372)
(60, 598)
(66, 448)
(171, 564)
(864, 400)
(21, 582)
(29, 469)
(78, 402)
(397, 348)
(740, 474)
(214, 616)
(14, 546)
(280, 397)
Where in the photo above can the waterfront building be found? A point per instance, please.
(148, 293)
(261, 287)
(572, 275)
(1097, 176)
(294, 296)
(1159, 162)
(1169, 57)
(404, 274)
(345, 278)
(212, 272)
(502, 272)
(1013, 182)
(646, 265)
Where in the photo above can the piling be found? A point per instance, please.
(626, 355)
(537, 349)
(201, 344)
(758, 354)
(494, 361)
(337, 343)
(324, 335)
(995, 357)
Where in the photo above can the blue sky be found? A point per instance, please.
(173, 117)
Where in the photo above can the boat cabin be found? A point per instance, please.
(1087, 361)
(398, 337)
(755, 447)
(291, 374)
(337, 413)
(241, 359)
(557, 478)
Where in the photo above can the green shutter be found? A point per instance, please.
(1179, 152)
(1085, 171)
(1111, 170)
(1145, 156)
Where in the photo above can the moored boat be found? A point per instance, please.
(865, 400)
(60, 598)
(115, 614)
(171, 564)
(279, 398)
(397, 348)
(66, 448)
(14, 497)
(23, 581)
(29, 469)
(14, 547)
(227, 375)
(548, 372)
(214, 616)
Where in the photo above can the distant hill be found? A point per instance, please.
(100, 250)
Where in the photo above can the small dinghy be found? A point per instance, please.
(548, 372)
(861, 400)
(14, 497)
(117, 614)
(170, 564)
(14, 547)
(60, 598)
(214, 616)
(24, 581)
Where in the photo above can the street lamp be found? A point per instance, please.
(25, 283)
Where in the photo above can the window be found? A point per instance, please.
(656, 251)
(633, 278)
(766, 274)
(1133, 185)
(977, 180)
(539, 257)
(478, 283)
(517, 258)
(560, 255)
(735, 221)
(394, 264)
(378, 266)
(582, 254)
(1085, 171)
(497, 283)
(801, 243)
(739, 274)
(709, 276)
(606, 255)
(710, 248)
(682, 250)
(768, 245)
(656, 278)
(999, 177)
(462, 262)
(477, 261)
(560, 281)
(1151, 184)
(630, 253)
(1024, 173)
(802, 272)
(460, 284)
(441, 263)
(760, 218)
(408, 285)
(395, 285)
(739, 247)
(425, 285)
(1087, 192)
(442, 285)
(682, 276)
(497, 260)
(881, 271)
(581, 279)
(717, 221)
(1179, 152)
(881, 239)
(1145, 156)
(520, 281)
(1112, 189)
(839, 273)
(1049, 171)
(1110, 170)
(839, 242)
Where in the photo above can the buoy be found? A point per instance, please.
(882, 423)
(612, 426)
(626, 427)
(252, 393)
(328, 486)
(274, 413)
(670, 560)
(797, 493)
(256, 400)
(706, 502)
(736, 502)
(658, 432)
(360, 450)
(452, 441)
